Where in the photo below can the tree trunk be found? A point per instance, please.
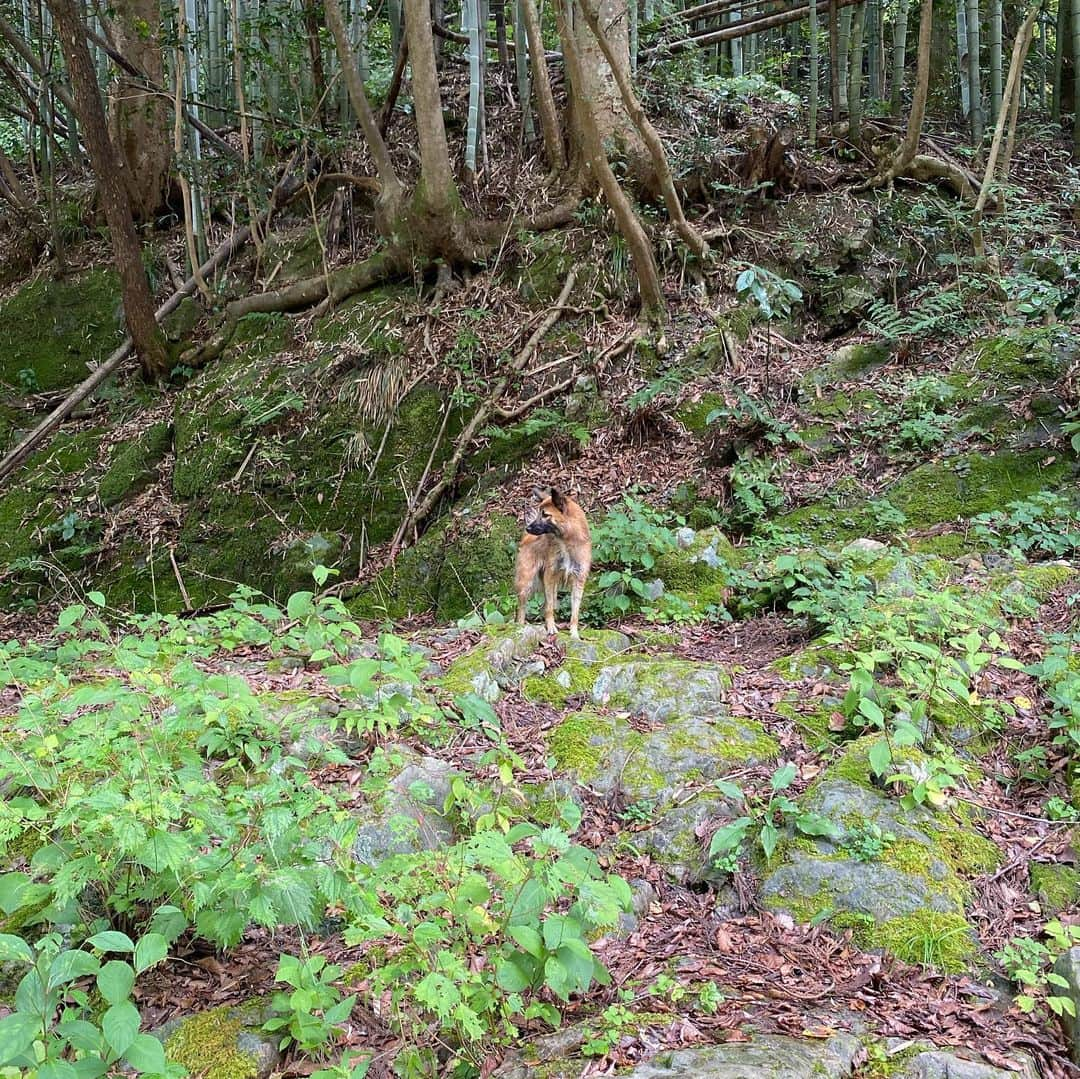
(855, 79)
(599, 88)
(594, 155)
(995, 59)
(1076, 75)
(661, 169)
(907, 150)
(110, 171)
(873, 56)
(834, 62)
(1016, 67)
(845, 50)
(815, 75)
(436, 201)
(899, 56)
(974, 72)
(1061, 29)
(318, 75)
(963, 59)
(545, 100)
(391, 191)
(139, 122)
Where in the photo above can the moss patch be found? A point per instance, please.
(206, 1044)
(54, 328)
(927, 937)
(1057, 886)
(134, 464)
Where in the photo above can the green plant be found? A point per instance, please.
(527, 900)
(1047, 524)
(773, 296)
(616, 1021)
(638, 812)
(1028, 962)
(866, 841)
(57, 1028)
(710, 997)
(310, 1013)
(772, 816)
(1058, 809)
(1060, 679)
(542, 423)
(28, 380)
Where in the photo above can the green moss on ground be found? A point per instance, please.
(694, 415)
(206, 1044)
(1057, 886)
(55, 328)
(930, 938)
(577, 744)
(133, 465)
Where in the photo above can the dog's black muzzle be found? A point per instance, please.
(539, 527)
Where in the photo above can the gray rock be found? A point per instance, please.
(410, 815)
(864, 547)
(685, 537)
(654, 589)
(261, 1049)
(1068, 967)
(851, 886)
(942, 1064)
(660, 689)
(766, 1057)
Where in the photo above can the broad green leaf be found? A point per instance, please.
(527, 938)
(120, 1025)
(782, 778)
(111, 941)
(151, 949)
(115, 980)
(880, 757)
(17, 1034)
(69, 965)
(770, 836)
(15, 949)
(57, 1069)
(146, 1054)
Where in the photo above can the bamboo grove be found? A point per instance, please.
(211, 114)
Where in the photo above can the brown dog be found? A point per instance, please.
(556, 549)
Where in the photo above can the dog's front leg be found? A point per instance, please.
(577, 587)
(551, 593)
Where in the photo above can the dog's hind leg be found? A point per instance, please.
(577, 587)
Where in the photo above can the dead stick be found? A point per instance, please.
(418, 515)
(179, 579)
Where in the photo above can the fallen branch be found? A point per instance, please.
(285, 190)
(416, 516)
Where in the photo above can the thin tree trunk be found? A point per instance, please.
(1014, 112)
(995, 58)
(834, 63)
(437, 195)
(1016, 67)
(318, 75)
(815, 75)
(690, 236)
(1060, 30)
(963, 60)
(855, 78)
(975, 72)
(899, 56)
(500, 38)
(1076, 75)
(109, 169)
(907, 150)
(545, 100)
(845, 50)
(873, 35)
(391, 191)
(471, 26)
(652, 295)
(521, 66)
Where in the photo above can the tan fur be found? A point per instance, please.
(561, 556)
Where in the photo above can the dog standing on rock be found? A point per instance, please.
(555, 550)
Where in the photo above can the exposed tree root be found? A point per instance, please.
(422, 505)
(926, 169)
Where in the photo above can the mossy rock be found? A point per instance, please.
(1020, 357)
(1056, 886)
(224, 1043)
(662, 688)
(453, 570)
(847, 363)
(141, 579)
(133, 465)
(56, 328)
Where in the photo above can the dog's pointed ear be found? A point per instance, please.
(540, 493)
(558, 500)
